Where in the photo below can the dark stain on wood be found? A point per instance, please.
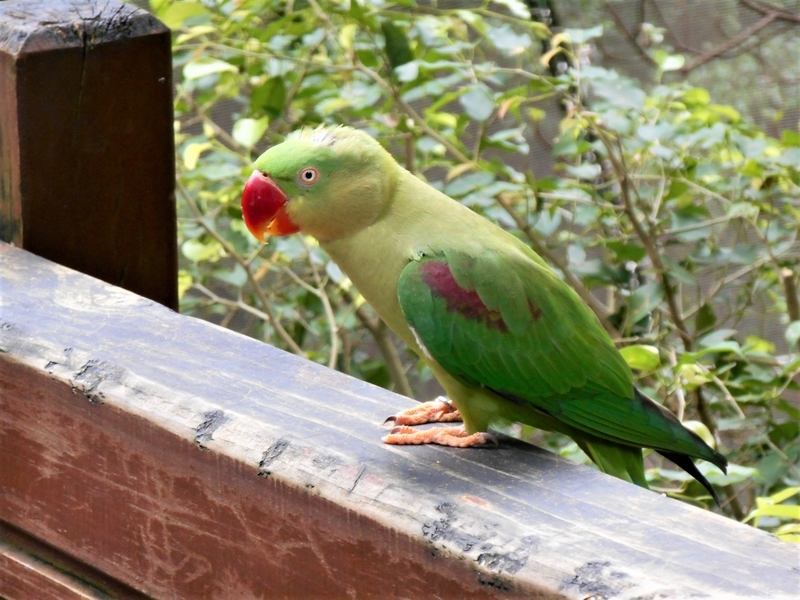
(211, 422)
(122, 485)
(273, 452)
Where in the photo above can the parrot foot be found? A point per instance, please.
(440, 410)
(444, 436)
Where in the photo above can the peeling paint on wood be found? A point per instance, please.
(292, 494)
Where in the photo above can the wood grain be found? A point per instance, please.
(188, 461)
(87, 163)
(31, 569)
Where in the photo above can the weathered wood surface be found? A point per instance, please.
(188, 461)
(87, 164)
(30, 569)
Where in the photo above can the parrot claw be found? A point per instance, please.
(440, 410)
(456, 437)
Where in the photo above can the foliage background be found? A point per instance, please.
(671, 214)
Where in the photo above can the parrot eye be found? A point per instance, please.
(309, 175)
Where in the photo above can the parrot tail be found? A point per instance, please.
(685, 463)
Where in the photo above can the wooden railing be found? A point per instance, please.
(148, 454)
(87, 159)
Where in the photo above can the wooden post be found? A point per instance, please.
(183, 460)
(87, 167)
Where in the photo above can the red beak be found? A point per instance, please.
(264, 208)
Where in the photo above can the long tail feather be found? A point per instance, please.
(685, 463)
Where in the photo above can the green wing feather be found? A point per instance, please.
(534, 342)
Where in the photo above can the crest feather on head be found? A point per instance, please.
(328, 136)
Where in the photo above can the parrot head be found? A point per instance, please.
(328, 182)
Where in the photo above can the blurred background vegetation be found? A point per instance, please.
(650, 152)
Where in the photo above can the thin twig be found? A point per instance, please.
(271, 317)
(381, 334)
(768, 9)
(326, 303)
(768, 18)
(653, 253)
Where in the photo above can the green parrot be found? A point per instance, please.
(508, 340)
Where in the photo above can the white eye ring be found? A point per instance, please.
(308, 176)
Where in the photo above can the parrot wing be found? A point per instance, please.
(503, 321)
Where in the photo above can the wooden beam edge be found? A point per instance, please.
(306, 464)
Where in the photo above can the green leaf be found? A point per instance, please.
(736, 474)
(626, 251)
(217, 171)
(509, 41)
(677, 271)
(191, 154)
(669, 62)
(396, 44)
(697, 96)
(198, 251)
(701, 430)
(173, 15)
(779, 497)
(202, 67)
(585, 172)
(641, 357)
(705, 317)
(248, 131)
(793, 334)
(715, 337)
(791, 138)
(269, 97)
(581, 36)
(755, 344)
(407, 72)
(184, 282)
(478, 102)
(236, 275)
(517, 8)
(644, 300)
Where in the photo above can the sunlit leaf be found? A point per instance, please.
(702, 430)
(192, 152)
(184, 282)
(641, 357)
(644, 299)
(203, 67)
(793, 334)
(581, 36)
(248, 131)
(478, 102)
(516, 7)
(174, 14)
(198, 251)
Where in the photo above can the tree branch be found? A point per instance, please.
(382, 336)
(769, 9)
(649, 244)
(768, 18)
(272, 319)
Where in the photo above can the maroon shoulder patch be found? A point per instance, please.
(439, 278)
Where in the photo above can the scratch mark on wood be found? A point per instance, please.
(443, 529)
(358, 478)
(270, 455)
(598, 580)
(509, 562)
(91, 375)
(205, 431)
